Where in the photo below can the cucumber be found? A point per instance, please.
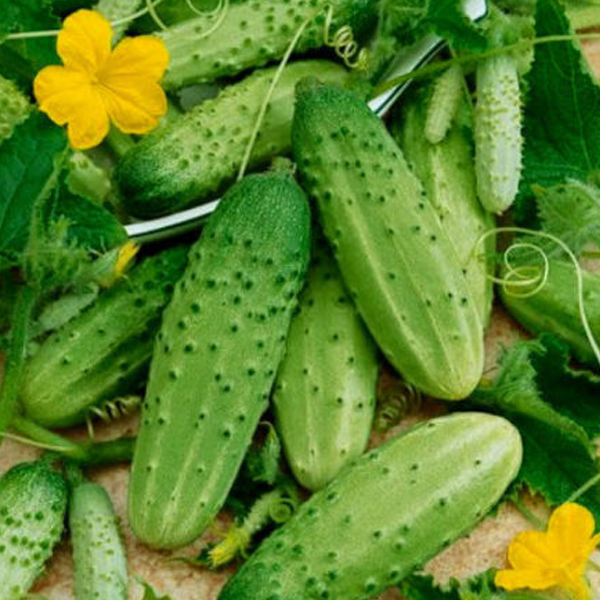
(555, 308)
(394, 509)
(498, 135)
(33, 502)
(325, 392)
(446, 97)
(254, 33)
(115, 11)
(98, 553)
(215, 359)
(447, 174)
(400, 267)
(202, 152)
(104, 352)
(14, 108)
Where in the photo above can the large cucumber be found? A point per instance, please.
(555, 307)
(446, 171)
(33, 502)
(104, 352)
(98, 553)
(399, 265)
(325, 393)
(254, 33)
(394, 509)
(216, 356)
(201, 152)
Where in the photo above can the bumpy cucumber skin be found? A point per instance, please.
(33, 502)
(325, 392)
(203, 151)
(98, 553)
(395, 508)
(14, 108)
(498, 136)
(115, 10)
(555, 308)
(104, 352)
(398, 264)
(446, 97)
(447, 174)
(215, 359)
(254, 33)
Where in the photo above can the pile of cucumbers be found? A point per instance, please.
(309, 274)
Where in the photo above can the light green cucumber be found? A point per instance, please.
(98, 552)
(254, 33)
(14, 107)
(33, 502)
(104, 352)
(325, 393)
(216, 356)
(446, 171)
(385, 516)
(555, 307)
(400, 268)
(202, 152)
(117, 11)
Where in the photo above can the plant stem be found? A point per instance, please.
(13, 367)
(584, 488)
(533, 519)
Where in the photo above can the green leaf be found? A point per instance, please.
(149, 593)
(448, 19)
(562, 112)
(263, 462)
(22, 59)
(30, 162)
(559, 456)
(571, 212)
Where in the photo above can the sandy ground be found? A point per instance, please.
(485, 547)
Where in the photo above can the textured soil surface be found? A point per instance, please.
(484, 548)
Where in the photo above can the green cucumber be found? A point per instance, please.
(215, 359)
(325, 393)
(33, 502)
(401, 269)
(116, 11)
(394, 509)
(254, 33)
(104, 352)
(555, 307)
(14, 107)
(98, 553)
(447, 174)
(202, 152)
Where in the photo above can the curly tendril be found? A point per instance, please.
(345, 45)
(111, 410)
(518, 278)
(396, 401)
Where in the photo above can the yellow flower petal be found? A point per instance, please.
(526, 578)
(84, 42)
(88, 123)
(144, 56)
(58, 92)
(570, 528)
(136, 106)
(530, 550)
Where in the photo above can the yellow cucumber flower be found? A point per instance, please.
(557, 557)
(98, 84)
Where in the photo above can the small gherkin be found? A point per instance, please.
(325, 394)
(254, 33)
(98, 552)
(33, 502)
(401, 270)
(387, 514)
(202, 151)
(14, 107)
(216, 356)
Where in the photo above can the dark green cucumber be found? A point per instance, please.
(215, 359)
(201, 152)
(325, 393)
(254, 33)
(104, 352)
(447, 173)
(401, 269)
(98, 552)
(383, 517)
(33, 502)
(555, 307)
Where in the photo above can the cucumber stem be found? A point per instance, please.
(13, 367)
